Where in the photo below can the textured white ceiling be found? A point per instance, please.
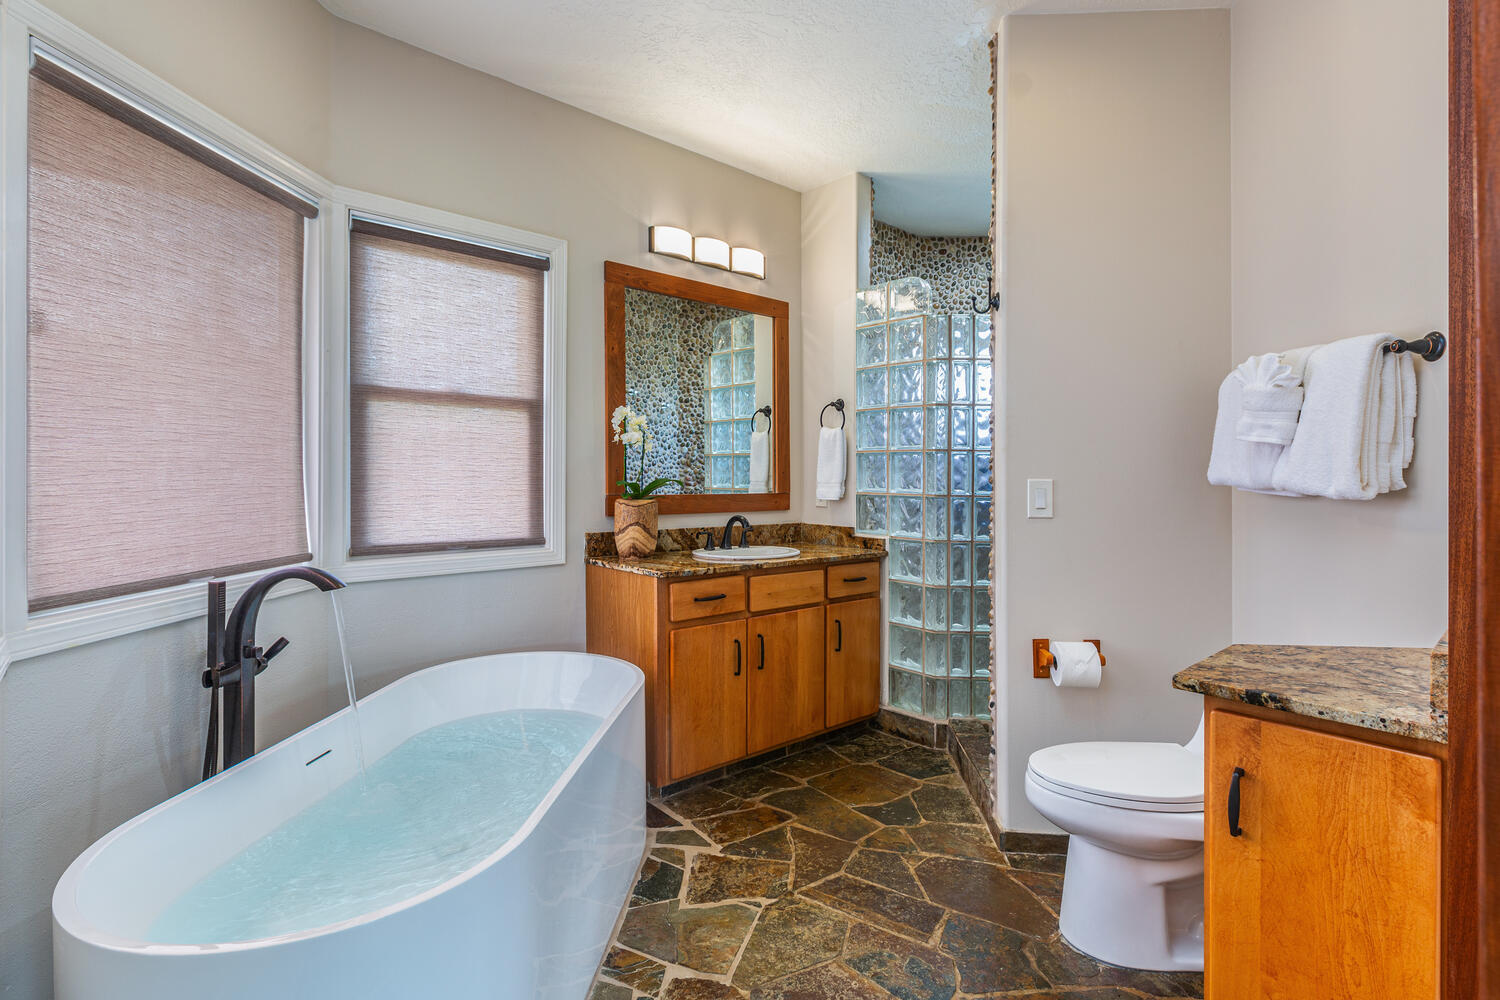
(797, 91)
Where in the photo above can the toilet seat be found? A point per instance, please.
(1148, 777)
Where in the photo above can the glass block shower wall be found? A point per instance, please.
(729, 404)
(924, 388)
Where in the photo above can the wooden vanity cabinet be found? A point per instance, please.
(738, 664)
(1322, 880)
(707, 686)
(785, 697)
(853, 657)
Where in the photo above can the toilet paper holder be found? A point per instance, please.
(1042, 657)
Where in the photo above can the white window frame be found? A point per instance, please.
(347, 203)
(23, 634)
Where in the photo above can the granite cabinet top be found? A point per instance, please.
(1390, 690)
(821, 545)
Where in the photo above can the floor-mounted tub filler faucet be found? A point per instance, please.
(234, 660)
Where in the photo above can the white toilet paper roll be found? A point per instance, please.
(1076, 666)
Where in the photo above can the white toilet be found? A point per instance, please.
(1133, 892)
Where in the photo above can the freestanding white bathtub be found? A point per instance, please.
(531, 920)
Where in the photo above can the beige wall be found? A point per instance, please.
(1339, 220)
(1115, 271)
(831, 227)
(263, 65)
(92, 736)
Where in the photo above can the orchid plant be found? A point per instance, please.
(631, 431)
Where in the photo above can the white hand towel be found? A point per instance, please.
(1270, 402)
(1336, 450)
(760, 462)
(1246, 465)
(1408, 385)
(832, 463)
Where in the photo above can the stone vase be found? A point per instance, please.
(635, 528)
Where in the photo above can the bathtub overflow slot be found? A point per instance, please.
(319, 757)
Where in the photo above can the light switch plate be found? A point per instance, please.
(1038, 498)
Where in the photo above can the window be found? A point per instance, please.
(450, 419)
(164, 350)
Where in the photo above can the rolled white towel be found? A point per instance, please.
(1337, 449)
(832, 463)
(760, 462)
(1270, 401)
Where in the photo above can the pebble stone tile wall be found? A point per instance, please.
(667, 346)
(957, 267)
(858, 869)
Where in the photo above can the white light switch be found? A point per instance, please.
(1038, 498)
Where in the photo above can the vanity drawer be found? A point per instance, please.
(716, 595)
(786, 590)
(855, 578)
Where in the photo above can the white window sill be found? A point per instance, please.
(65, 628)
(366, 569)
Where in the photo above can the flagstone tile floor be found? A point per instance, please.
(858, 869)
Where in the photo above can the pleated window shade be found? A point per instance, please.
(164, 383)
(446, 393)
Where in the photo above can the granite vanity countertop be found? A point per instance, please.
(682, 564)
(821, 545)
(1390, 690)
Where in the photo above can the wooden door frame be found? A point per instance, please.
(1471, 852)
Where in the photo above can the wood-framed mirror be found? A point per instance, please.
(707, 367)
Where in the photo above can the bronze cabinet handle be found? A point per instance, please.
(736, 657)
(762, 664)
(838, 645)
(855, 579)
(1234, 801)
(710, 597)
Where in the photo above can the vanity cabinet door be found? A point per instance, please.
(786, 677)
(1329, 887)
(853, 660)
(710, 666)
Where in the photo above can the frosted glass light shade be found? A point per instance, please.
(712, 252)
(672, 242)
(745, 260)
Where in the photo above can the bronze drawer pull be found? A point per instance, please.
(710, 597)
(1234, 801)
(855, 579)
(736, 657)
(838, 646)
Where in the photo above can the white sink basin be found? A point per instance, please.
(750, 553)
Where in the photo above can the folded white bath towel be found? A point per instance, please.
(1270, 401)
(1353, 417)
(1246, 465)
(832, 463)
(760, 462)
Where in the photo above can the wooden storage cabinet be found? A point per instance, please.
(1331, 886)
(785, 698)
(853, 658)
(708, 685)
(740, 663)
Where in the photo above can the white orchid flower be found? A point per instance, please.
(631, 437)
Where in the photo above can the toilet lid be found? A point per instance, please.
(1134, 772)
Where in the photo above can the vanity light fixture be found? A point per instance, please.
(672, 242)
(711, 252)
(746, 260)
